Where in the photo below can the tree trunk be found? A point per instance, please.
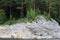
(59, 6)
(34, 8)
(49, 7)
(21, 8)
(10, 13)
(49, 11)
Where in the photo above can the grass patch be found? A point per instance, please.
(31, 14)
(12, 21)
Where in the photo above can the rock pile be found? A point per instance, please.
(40, 28)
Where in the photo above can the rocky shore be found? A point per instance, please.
(39, 28)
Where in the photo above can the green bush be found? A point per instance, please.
(58, 19)
(2, 16)
(11, 21)
(30, 14)
(47, 16)
(38, 12)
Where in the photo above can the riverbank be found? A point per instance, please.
(39, 28)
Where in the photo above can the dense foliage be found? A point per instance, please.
(15, 9)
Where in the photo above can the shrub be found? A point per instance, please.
(58, 19)
(38, 12)
(2, 16)
(11, 21)
(31, 14)
(47, 16)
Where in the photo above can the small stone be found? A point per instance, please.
(41, 34)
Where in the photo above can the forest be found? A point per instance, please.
(12, 10)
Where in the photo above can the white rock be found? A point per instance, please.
(40, 28)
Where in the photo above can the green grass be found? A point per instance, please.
(31, 14)
(22, 20)
(12, 21)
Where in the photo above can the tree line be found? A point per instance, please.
(10, 9)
